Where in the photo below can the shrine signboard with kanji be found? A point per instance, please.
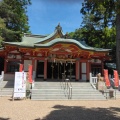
(19, 85)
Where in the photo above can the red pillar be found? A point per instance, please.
(45, 69)
(21, 68)
(102, 64)
(77, 70)
(88, 69)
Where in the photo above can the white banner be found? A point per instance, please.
(20, 84)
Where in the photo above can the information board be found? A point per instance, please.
(20, 85)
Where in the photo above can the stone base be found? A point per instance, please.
(101, 86)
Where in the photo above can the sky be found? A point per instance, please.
(45, 15)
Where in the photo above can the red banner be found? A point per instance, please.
(20, 67)
(30, 73)
(116, 80)
(106, 78)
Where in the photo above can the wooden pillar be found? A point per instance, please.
(22, 59)
(45, 69)
(33, 69)
(80, 76)
(58, 70)
(88, 69)
(33, 64)
(102, 65)
(5, 65)
(77, 70)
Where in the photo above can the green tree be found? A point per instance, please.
(111, 17)
(2, 26)
(13, 12)
(99, 23)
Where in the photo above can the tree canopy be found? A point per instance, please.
(106, 14)
(101, 26)
(14, 19)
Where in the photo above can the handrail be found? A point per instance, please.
(68, 87)
(63, 81)
(93, 81)
(93, 85)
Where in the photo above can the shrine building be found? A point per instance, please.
(51, 55)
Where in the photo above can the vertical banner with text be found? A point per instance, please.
(106, 78)
(116, 80)
(30, 73)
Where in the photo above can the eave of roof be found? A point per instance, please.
(71, 41)
(55, 41)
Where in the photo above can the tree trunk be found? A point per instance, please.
(118, 42)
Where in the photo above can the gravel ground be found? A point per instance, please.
(58, 110)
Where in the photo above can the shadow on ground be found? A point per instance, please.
(82, 113)
(4, 118)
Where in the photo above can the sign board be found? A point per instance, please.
(20, 85)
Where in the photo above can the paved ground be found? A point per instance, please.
(59, 110)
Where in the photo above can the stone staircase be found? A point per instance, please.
(6, 88)
(55, 91)
(84, 91)
(47, 91)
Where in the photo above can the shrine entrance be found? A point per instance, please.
(55, 70)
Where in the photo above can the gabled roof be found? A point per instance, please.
(29, 40)
(40, 41)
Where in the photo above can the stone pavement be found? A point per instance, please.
(58, 110)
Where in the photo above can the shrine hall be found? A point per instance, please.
(52, 55)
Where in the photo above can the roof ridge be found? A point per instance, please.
(33, 35)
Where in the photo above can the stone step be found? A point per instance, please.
(66, 98)
(50, 91)
(6, 93)
(47, 93)
(86, 99)
(6, 88)
(87, 96)
(47, 87)
(73, 87)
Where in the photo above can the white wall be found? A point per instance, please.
(83, 71)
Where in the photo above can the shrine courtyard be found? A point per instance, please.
(59, 110)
